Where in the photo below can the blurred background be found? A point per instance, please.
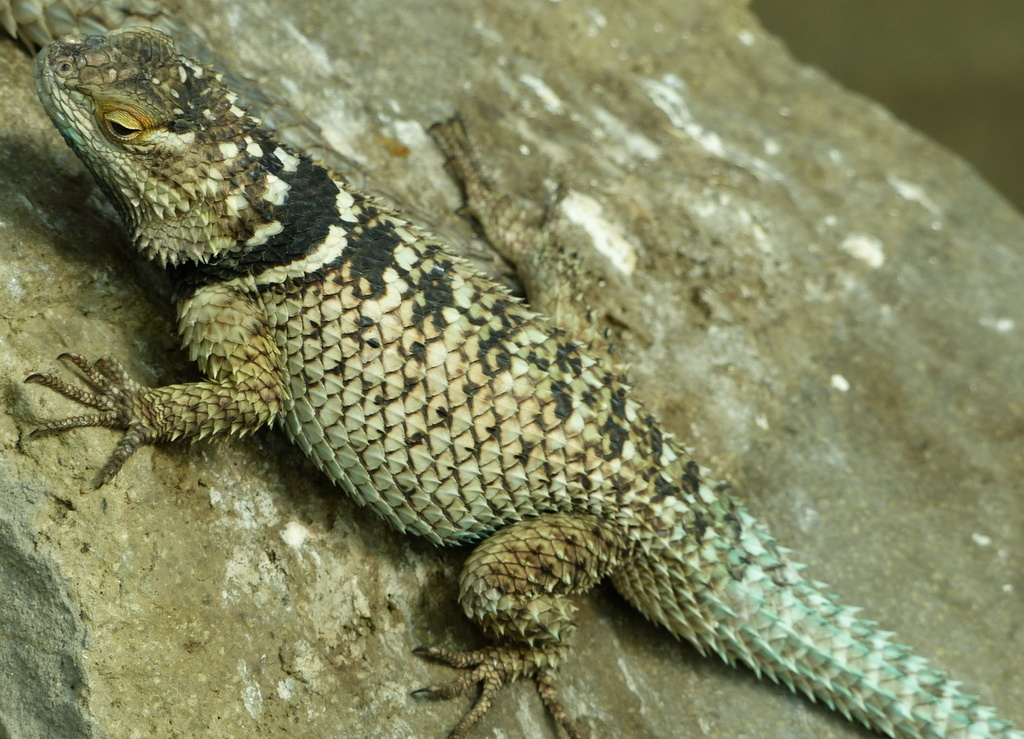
(950, 68)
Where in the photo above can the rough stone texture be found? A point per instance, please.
(43, 640)
(825, 304)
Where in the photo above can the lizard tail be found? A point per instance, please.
(718, 579)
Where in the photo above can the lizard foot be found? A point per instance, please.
(117, 397)
(492, 668)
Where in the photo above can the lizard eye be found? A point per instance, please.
(123, 125)
(64, 66)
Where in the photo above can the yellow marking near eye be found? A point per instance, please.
(123, 122)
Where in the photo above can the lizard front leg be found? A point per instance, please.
(227, 333)
(515, 586)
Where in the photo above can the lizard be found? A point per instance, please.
(454, 410)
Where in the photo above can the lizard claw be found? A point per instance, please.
(113, 393)
(106, 376)
(492, 668)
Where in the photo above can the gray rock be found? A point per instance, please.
(42, 638)
(824, 304)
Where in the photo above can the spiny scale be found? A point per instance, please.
(430, 394)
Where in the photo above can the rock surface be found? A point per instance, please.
(824, 304)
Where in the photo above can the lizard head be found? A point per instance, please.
(161, 134)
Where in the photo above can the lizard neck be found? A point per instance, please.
(262, 207)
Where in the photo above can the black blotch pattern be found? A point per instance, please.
(663, 489)
(657, 442)
(434, 286)
(616, 436)
(618, 404)
(563, 400)
(691, 477)
(369, 253)
(700, 525)
(567, 358)
(306, 217)
(492, 356)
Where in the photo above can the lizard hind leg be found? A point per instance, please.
(515, 585)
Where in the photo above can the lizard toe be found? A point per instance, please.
(492, 668)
